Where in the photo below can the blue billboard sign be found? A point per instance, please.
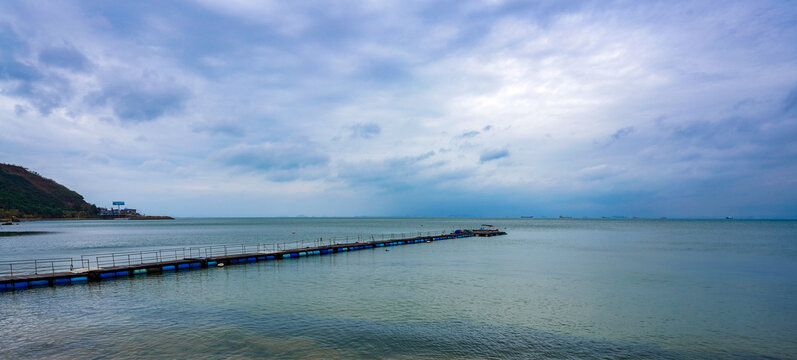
(118, 202)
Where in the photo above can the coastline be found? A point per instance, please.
(142, 217)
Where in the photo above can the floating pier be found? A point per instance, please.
(102, 267)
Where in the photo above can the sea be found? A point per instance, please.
(549, 289)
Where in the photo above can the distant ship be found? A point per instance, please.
(729, 218)
(527, 217)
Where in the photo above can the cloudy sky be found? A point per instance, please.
(407, 108)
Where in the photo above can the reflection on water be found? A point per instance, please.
(199, 330)
(21, 233)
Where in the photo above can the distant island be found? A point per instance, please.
(26, 195)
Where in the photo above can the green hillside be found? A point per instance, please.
(26, 194)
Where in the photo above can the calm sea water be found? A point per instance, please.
(550, 289)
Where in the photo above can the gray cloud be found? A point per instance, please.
(615, 137)
(384, 71)
(493, 154)
(11, 42)
(219, 128)
(65, 57)
(621, 133)
(398, 174)
(790, 103)
(594, 173)
(22, 79)
(473, 133)
(20, 110)
(11, 69)
(365, 130)
(141, 100)
(281, 161)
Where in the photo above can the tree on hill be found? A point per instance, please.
(25, 193)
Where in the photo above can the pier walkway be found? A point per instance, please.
(24, 274)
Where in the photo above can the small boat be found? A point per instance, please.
(487, 225)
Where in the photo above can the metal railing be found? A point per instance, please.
(147, 256)
(41, 266)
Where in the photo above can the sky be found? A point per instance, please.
(407, 108)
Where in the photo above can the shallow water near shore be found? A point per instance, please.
(549, 289)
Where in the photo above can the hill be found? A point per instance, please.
(26, 194)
